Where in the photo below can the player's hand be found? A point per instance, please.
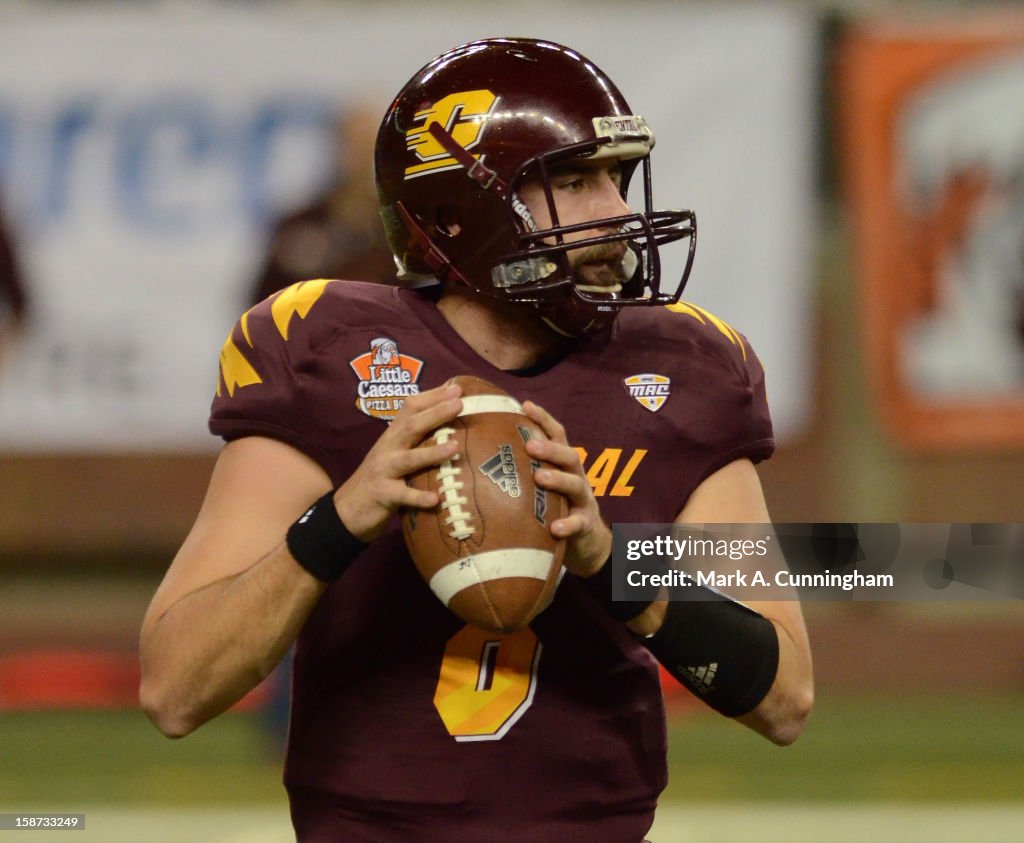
(377, 488)
(589, 538)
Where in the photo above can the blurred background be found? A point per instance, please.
(858, 173)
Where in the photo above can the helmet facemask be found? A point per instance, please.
(544, 270)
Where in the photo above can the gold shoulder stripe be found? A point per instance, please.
(235, 370)
(704, 317)
(727, 330)
(688, 309)
(243, 323)
(298, 298)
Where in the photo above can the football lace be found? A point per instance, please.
(450, 487)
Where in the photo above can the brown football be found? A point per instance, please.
(486, 550)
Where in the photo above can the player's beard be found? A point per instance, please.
(600, 268)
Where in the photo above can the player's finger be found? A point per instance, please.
(411, 429)
(573, 486)
(416, 459)
(415, 498)
(574, 524)
(551, 427)
(558, 454)
(421, 400)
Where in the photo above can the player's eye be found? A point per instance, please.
(571, 184)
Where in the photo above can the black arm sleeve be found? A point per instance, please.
(725, 653)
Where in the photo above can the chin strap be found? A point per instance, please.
(556, 329)
(434, 258)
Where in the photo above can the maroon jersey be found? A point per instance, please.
(407, 724)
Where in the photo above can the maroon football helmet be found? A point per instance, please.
(460, 138)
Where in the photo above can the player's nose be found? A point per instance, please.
(608, 198)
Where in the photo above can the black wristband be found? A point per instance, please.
(321, 543)
(600, 586)
(723, 651)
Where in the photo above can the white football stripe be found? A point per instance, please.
(473, 404)
(487, 566)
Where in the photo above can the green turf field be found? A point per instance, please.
(921, 748)
(931, 766)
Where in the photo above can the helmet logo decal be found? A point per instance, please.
(463, 115)
(650, 391)
(386, 379)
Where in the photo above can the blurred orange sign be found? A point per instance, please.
(931, 134)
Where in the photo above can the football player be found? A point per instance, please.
(502, 169)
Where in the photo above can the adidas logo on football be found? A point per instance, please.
(501, 469)
(702, 677)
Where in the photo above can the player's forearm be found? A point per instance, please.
(782, 714)
(757, 660)
(216, 644)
